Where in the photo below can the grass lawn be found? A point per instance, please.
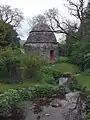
(66, 67)
(62, 67)
(4, 87)
(84, 80)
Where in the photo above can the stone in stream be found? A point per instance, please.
(47, 114)
(62, 80)
(65, 78)
(72, 96)
(56, 103)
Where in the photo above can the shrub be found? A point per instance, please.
(86, 72)
(87, 105)
(32, 64)
(15, 66)
(63, 60)
(50, 75)
(48, 79)
(8, 99)
(10, 65)
(73, 85)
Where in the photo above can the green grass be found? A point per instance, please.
(84, 80)
(66, 67)
(63, 59)
(4, 87)
(62, 67)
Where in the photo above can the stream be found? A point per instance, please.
(55, 108)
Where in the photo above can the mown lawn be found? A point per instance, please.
(66, 67)
(84, 80)
(62, 67)
(4, 87)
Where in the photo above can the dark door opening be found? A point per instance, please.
(51, 55)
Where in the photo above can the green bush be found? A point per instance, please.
(63, 60)
(86, 72)
(15, 66)
(74, 85)
(8, 99)
(32, 64)
(51, 71)
(80, 54)
(87, 105)
(10, 65)
(50, 75)
(48, 79)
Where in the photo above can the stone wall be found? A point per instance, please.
(43, 49)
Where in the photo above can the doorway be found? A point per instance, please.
(51, 55)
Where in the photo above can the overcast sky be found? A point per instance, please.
(31, 8)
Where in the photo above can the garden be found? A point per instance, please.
(28, 77)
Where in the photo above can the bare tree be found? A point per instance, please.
(11, 16)
(52, 18)
(77, 9)
(63, 25)
(59, 24)
(36, 20)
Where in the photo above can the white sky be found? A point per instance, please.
(34, 7)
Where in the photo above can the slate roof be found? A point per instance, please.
(41, 33)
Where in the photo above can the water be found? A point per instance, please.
(48, 113)
(42, 109)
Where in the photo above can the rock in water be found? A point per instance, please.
(56, 103)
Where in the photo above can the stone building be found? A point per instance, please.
(42, 40)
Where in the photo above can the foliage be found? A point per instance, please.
(9, 65)
(9, 98)
(62, 48)
(32, 64)
(84, 80)
(87, 72)
(8, 35)
(87, 105)
(88, 116)
(79, 49)
(12, 97)
(81, 54)
(63, 60)
(15, 66)
(70, 42)
(65, 67)
(52, 72)
(50, 75)
(48, 79)
(74, 85)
